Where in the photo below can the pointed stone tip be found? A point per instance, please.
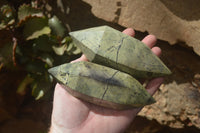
(52, 71)
(170, 72)
(151, 100)
(49, 70)
(167, 72)
(71, 33)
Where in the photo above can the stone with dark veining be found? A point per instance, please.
(101, 85)
(109, 47)
(110, 80)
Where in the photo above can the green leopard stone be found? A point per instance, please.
(106, 46)
(101, 85)
(118, 62)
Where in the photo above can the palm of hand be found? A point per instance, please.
(73, 115)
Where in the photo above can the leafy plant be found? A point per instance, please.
(31, 42)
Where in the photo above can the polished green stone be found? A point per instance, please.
(109, 47)
(101, 85)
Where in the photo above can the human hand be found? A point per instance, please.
(72, 115)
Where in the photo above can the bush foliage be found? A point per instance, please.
(31, 43)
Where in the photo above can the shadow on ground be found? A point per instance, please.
(184, 9)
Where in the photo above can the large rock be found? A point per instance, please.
(172, 21)
(179, 97)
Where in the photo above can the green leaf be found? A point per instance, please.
(62, 59)
(6, 53)
(41, 85)
(23, 85)
(77, 51)
(72, 49)
(36, 34)
(40, 95)
(37, 92)
(7, 15)
(36, 27)
(6, 47)
(67, 40)
(47, 59)
(43, 43)
(60, 50)
(57, 27)
(70, 46)
(36, 67)
(28, 11)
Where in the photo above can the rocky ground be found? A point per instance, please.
(177, 108)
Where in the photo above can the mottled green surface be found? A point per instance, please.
(110, 86)
(109, 47)
(102, 85)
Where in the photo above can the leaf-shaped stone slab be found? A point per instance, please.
(101, 85)
(107, 46)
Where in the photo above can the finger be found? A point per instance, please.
(82, 58)
(150, 40)
(157, 51)
(153, 85)
(129, 31)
